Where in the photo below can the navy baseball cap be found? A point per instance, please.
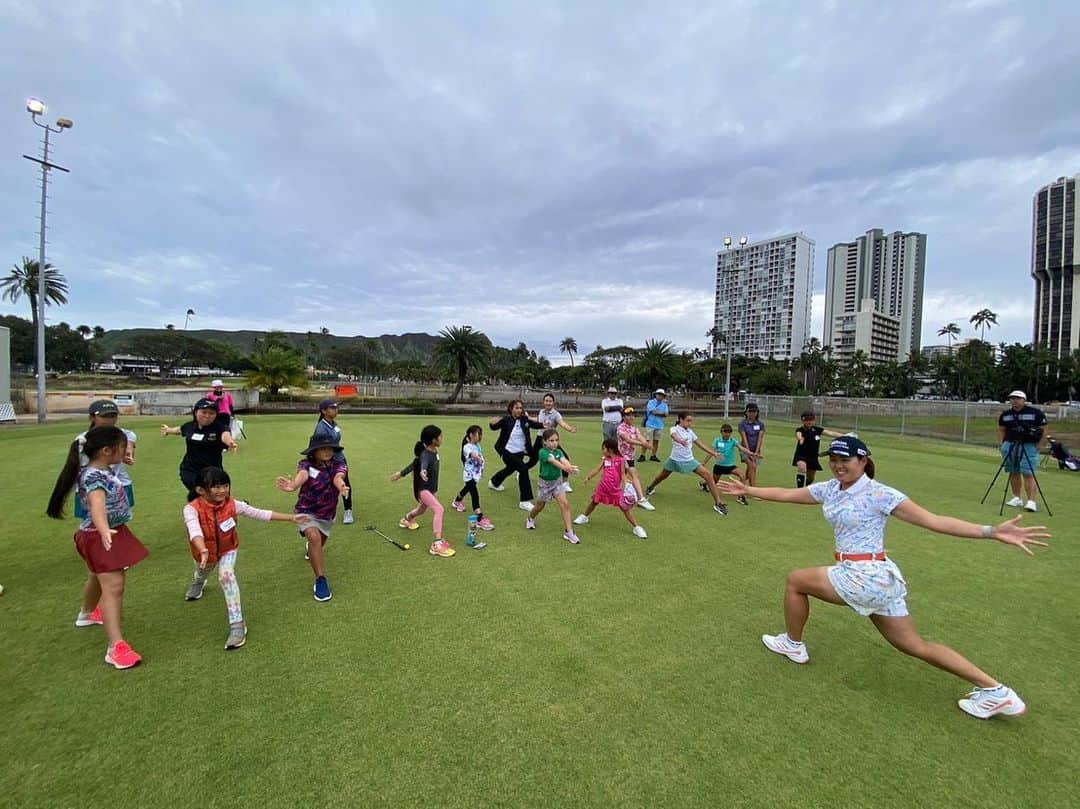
(103, 407)
(847, 446)
(205, 404)
(327, 403)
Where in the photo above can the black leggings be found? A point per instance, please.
(470, 489)
(347, 501)
(515, 462)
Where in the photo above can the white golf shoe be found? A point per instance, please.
(783, 645)
(1014, 502)
(982, 703)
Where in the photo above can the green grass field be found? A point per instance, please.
(620, 672)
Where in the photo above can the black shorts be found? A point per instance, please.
(722, 470)
(629, 463)
(811, 461)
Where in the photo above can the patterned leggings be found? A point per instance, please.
(226, 566)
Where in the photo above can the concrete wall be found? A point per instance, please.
(134, 402)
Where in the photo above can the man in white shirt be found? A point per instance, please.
(612, 407)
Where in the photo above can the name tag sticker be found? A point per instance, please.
(228, 525)
(313, 473)
(196, 436)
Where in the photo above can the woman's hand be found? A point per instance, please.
(285, 484)
(395, 477)
(1010, 533)
(733, 486)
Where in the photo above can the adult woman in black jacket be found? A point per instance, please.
(512, 445)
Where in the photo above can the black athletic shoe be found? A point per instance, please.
(641, 458)
(654, 458)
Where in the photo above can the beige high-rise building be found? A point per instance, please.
(888, 269)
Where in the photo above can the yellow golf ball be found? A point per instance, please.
(407, 546)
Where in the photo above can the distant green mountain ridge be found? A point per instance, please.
(390, 347)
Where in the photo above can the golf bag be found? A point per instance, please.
(1061, 454)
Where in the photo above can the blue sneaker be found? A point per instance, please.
(322, 589)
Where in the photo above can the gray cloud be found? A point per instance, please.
(536, 172)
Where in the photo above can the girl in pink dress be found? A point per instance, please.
(609, 490)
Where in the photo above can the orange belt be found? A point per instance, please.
(860, 557)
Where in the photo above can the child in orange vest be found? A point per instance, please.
(211, 525)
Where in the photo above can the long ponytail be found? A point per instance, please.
(97, 439)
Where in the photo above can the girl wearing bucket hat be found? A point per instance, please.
(866, 580)
(321, 480)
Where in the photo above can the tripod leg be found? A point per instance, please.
(992, 482)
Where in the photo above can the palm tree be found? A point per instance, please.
(187, 317)
(84, 331)
(568, 346)
(99, 332)
(949, 331)
(460, 350)
(657, 363)
(715, 336)
(24, 281)
(277, 367)
(982, 319)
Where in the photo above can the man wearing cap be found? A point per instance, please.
(655, 410)
(1020, 430)
(612, 407)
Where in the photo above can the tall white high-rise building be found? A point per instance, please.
(763, 296)
(886, 268)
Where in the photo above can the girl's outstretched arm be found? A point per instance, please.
(1008, 532)
(564, 465)
(594, 472)
(737, 488)
(167, 430)
(565, 425)
(292, 484)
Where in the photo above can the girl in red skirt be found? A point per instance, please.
(103, 540)
(609, 490)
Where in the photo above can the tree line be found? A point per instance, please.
(461, 355)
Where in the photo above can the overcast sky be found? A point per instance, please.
(535, 170)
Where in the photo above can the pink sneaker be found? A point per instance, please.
(441, 547)
(122, 656)
(89, 619)
(530, 523)
(571, 537)
(458, 505)
(486, 525)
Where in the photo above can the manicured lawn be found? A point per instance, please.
(620, 672)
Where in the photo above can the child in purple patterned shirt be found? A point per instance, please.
(321, 480)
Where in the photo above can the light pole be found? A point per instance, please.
(36, 107)
(727, 332)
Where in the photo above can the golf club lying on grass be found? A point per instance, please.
(404, 547)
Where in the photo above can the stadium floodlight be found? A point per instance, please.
(35, 106)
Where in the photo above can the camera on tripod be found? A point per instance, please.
(1025, 434)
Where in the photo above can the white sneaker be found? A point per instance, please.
(639, 532)
(568, 488)
(1031, 505)
(783, 645)
(348, 518)
(525, 505)
(495, 488)
(645, 504)
(982, 703)
(581, 519)
(1015, 502)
